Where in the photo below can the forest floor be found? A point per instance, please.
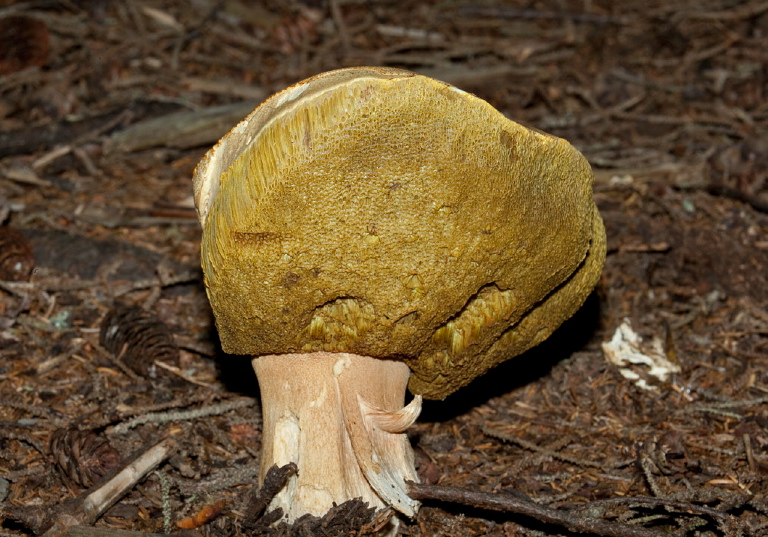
(667, 100)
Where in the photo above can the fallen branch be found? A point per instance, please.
(574, 522)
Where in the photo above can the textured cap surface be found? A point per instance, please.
(378, 212)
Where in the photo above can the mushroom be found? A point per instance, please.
(370, 229)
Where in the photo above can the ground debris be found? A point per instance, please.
(349, 518)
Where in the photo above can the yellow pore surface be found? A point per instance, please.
(381, 213)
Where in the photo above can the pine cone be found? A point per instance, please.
(147, 338)
(82, 456)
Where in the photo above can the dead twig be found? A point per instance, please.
(88, 531)
(202, 397)
(91, 504)
(649, 502)
(117, 361)
(223, 480)
(123, 411)
(120, 287)
(165, 417)
(341, 27)
(742, 12)
(40, 411)
(537, 14)
(739, 195)
(31, 139)
(22, 437)
(55, 361)
(749, 453)
(647, 466)
(179, 373)
(508, 503)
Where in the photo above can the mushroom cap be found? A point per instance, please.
(378, 212)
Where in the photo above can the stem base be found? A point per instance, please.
(340, 418)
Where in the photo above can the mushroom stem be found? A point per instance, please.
(340, 418)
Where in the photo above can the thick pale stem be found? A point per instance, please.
(340, 418)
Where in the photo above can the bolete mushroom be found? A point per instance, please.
(369, 229)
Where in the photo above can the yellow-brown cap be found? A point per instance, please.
(378, 212)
